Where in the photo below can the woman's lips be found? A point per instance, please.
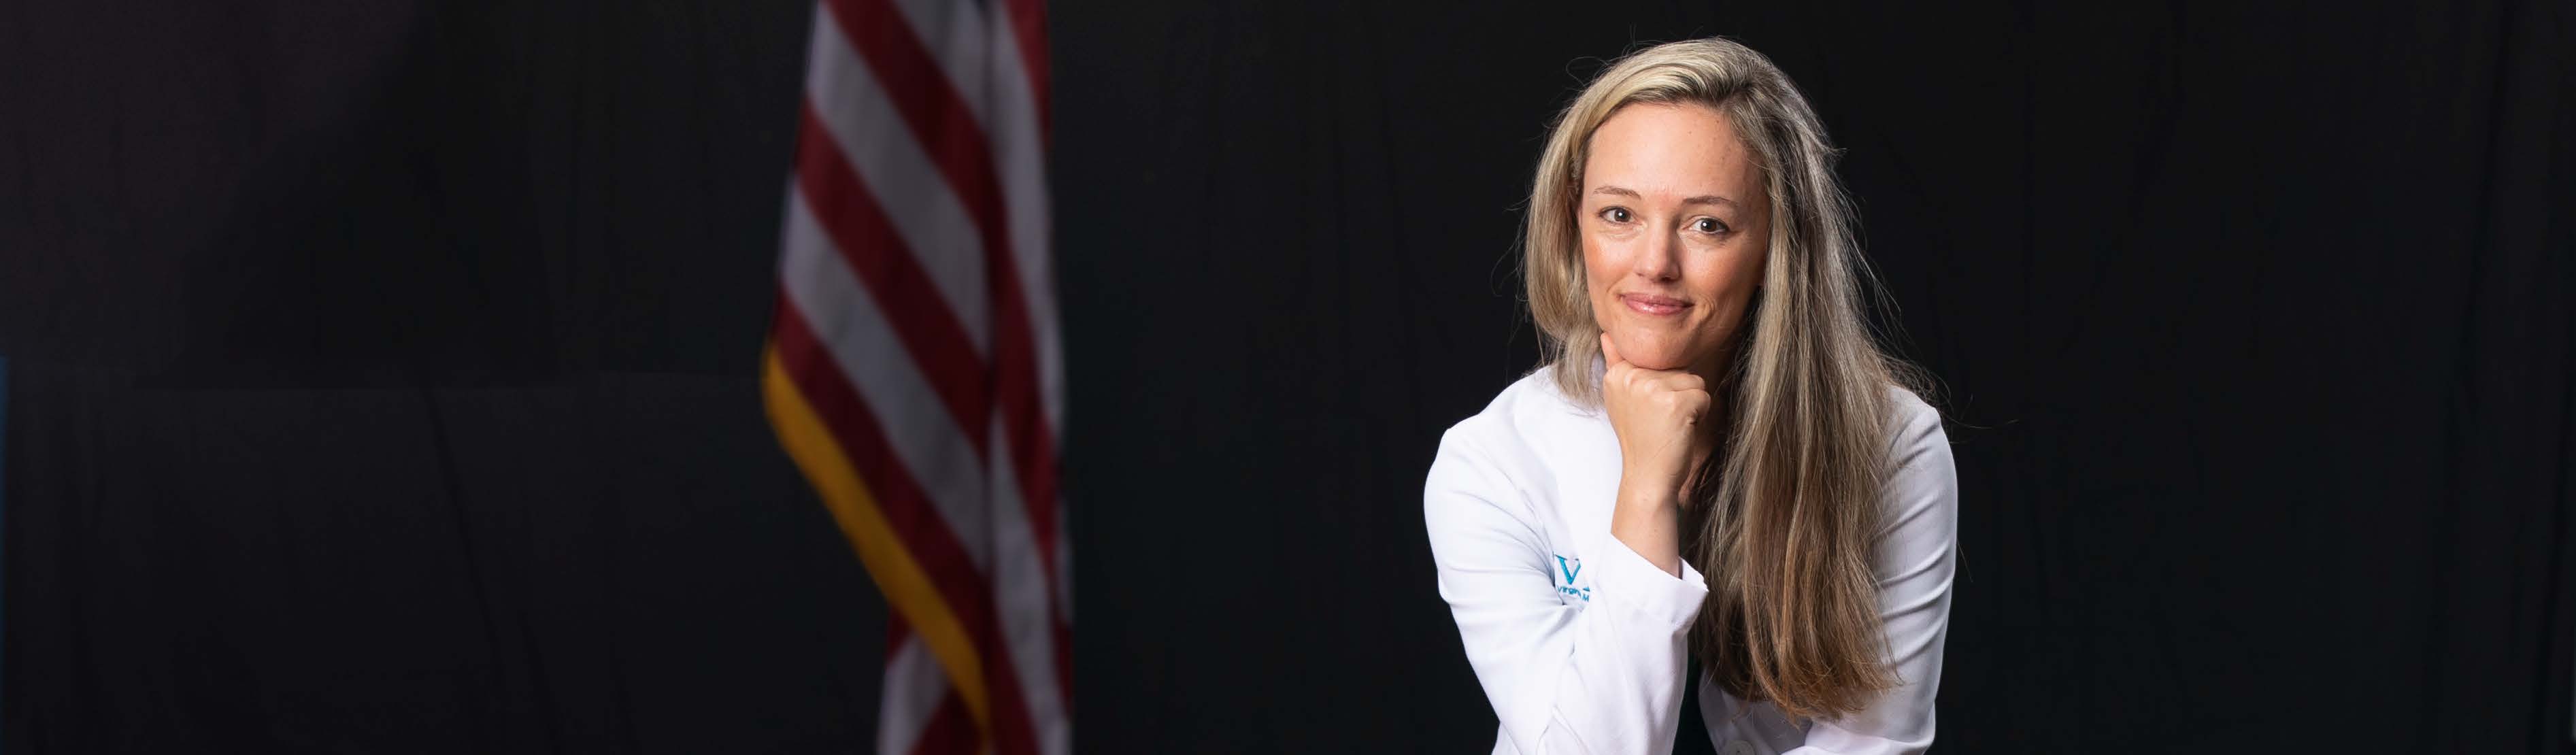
(1656, 306)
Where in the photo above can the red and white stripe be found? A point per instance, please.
(917, 328)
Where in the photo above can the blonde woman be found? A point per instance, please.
(1717, 463)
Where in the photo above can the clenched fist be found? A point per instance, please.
(1658, 415)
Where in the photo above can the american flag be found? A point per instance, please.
(913, 371)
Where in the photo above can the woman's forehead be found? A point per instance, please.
(1670, 153)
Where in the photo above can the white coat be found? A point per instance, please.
(1579, 642)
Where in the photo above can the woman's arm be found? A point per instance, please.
(1656, 415)
(1602, 674)
(1914, 558)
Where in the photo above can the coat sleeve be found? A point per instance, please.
(1914, 558)
(1583, 674)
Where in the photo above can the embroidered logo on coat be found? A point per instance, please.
(1566, 570)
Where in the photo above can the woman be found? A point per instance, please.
(1717, 463)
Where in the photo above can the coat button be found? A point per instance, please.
(1738, 747)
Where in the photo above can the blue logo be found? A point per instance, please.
(1568, 567)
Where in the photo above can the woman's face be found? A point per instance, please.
(1675, 227)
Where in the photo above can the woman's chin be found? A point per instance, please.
(1649, 356)
(1653, 363)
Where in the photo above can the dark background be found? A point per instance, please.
(382, 373)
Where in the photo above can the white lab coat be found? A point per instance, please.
(1579, 642)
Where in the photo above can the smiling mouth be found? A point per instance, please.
(1655, 306)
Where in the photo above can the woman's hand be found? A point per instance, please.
(1657, 416)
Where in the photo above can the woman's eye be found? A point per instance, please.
(1708, 225)
(1615, 214)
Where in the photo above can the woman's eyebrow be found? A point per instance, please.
(1632, 194)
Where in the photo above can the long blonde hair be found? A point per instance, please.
(1784, 533)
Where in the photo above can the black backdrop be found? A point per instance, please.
(382, 373)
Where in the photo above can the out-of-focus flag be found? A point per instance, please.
(913, 371)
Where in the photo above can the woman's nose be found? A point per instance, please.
(1659, 257)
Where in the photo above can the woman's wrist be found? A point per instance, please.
(1650, 488)
(1646, 519)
